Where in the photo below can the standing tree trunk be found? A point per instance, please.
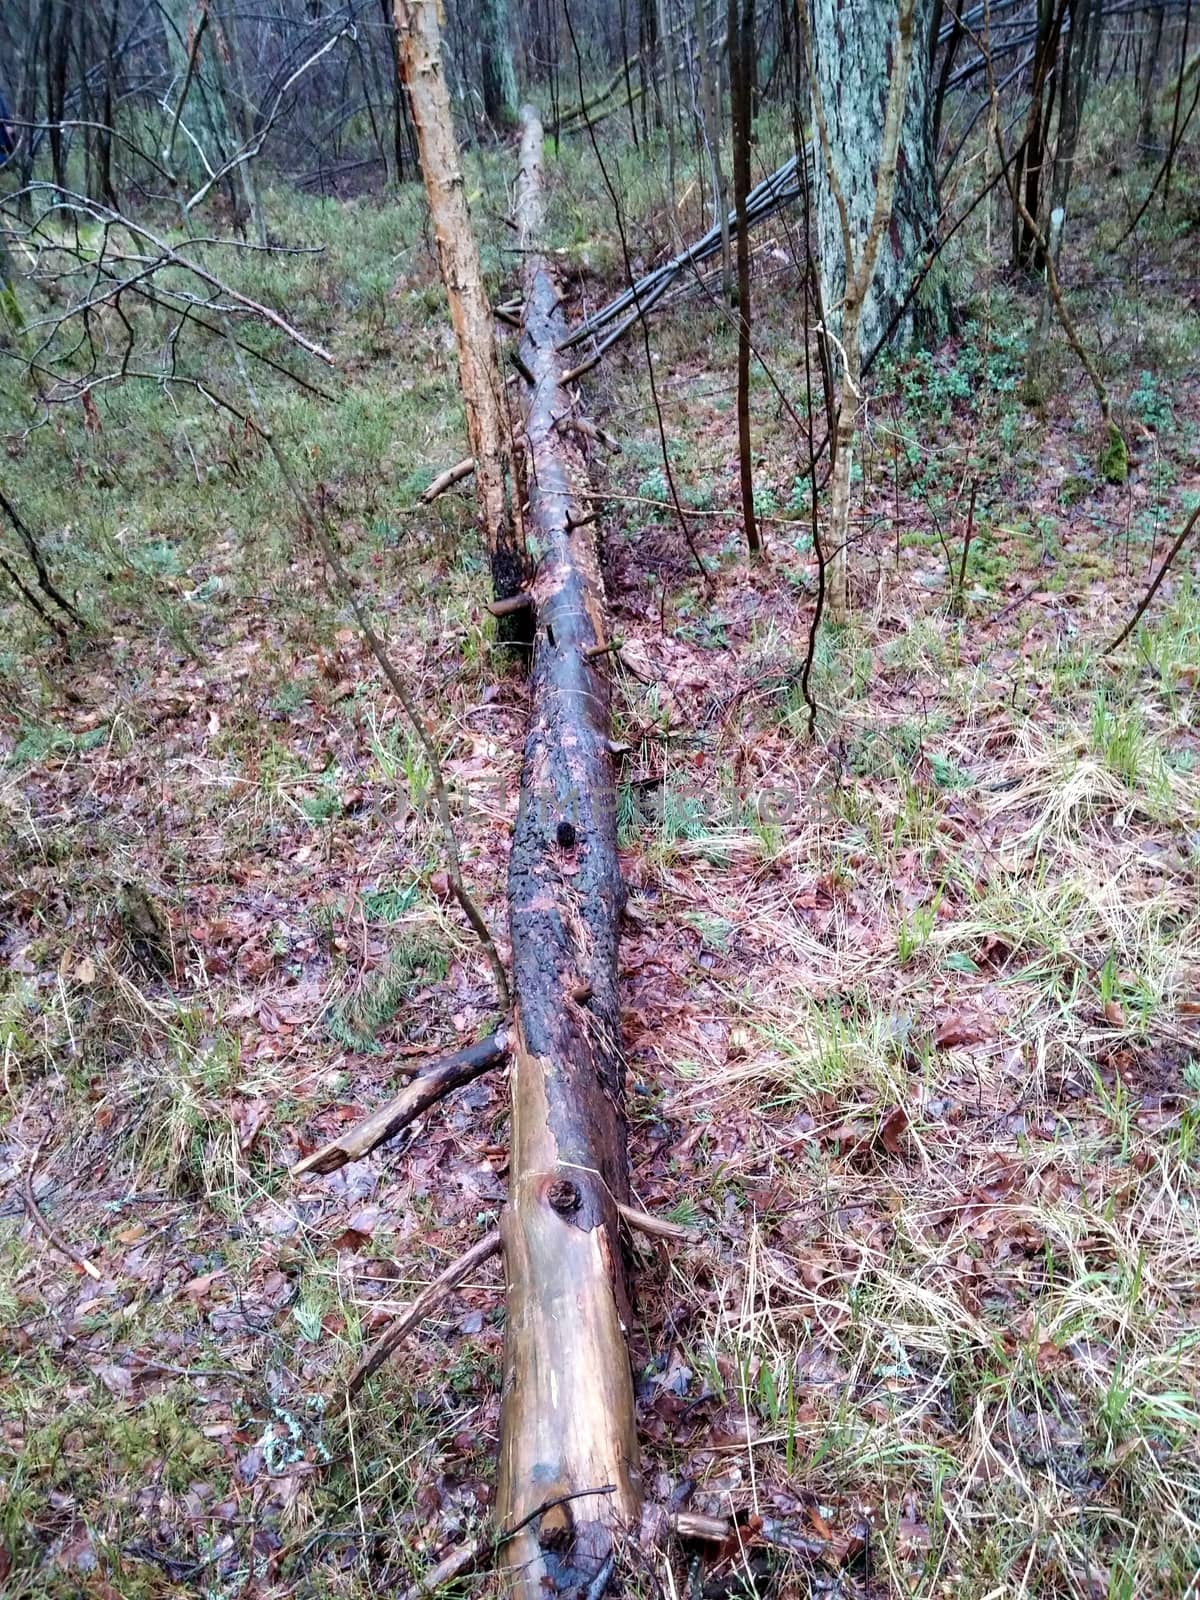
(864, 215)
(496, 65)
(402, 139)
(241, 115)
(1030, 158)
(852, 61)
(710, 117)
(567, 1419)
(1147, 77)
(741, 48)
(1073, 86)
(458, 258)
(58, 47)
(203, 135)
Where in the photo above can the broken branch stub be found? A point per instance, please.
(430, 1085)
(567, 1419)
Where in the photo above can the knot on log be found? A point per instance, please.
(563, 1196)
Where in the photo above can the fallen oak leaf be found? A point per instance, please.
(892, 1130)
(959, 1029)
(197, 1288)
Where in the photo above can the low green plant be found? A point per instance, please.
(358, 1021)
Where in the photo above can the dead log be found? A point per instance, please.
(567, 1419)
(426, 1089)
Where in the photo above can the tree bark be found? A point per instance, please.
(1031, 154)
(860, 245)
(1147, 75)
(741, 49)
(710, 113)
(567, 1419)
(853, 60)
(458, 257)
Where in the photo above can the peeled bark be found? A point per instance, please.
(853, 58)
(470, 312)
(567, 1420)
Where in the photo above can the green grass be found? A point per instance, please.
(910, 1051)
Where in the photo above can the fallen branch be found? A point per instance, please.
(1154, 587)
(431, 1296)
(45, 582)
(655, 1227)
(39, 1221)
(515, 602)
(446, 480)
(466, 1557)
(776, 191)
(425, 1090)
(462, 1559)
(764, 1530)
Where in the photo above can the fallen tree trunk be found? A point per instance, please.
(567, 1419)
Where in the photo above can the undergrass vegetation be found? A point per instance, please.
(909, 1007)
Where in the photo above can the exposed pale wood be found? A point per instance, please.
(463, 1558)
(425, 1302)
(425, 1090)
(766, 1530)
(567, 1418)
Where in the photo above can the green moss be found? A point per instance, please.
(1114, 456)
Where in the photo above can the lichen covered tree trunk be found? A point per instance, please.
(567, 1421)
(865, 229)
(852, 49)
(458, 257)
(496, 64)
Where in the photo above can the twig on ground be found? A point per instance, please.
(462, 1559)
(39, 1221)
(1154, 587)
(483, 1250)
(447, 479)
(655, 1227)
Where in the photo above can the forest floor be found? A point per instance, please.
(910, 1006)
